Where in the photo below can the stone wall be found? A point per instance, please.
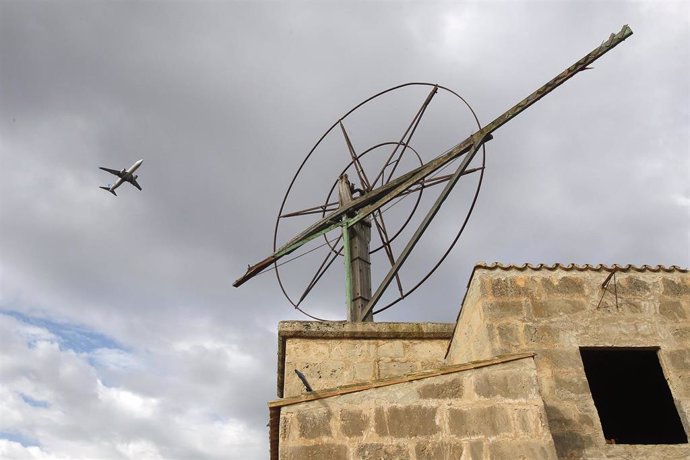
(554, 312)
(481, 413)
(333, 354)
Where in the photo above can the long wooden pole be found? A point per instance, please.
(365, 205)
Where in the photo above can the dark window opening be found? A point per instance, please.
(632, 397)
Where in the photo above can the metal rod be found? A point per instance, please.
(424, 225)
(325, 265)
(615, 289)
(416, 119)
(355, 161)
(414, 129)
(383, 234)
(313, 210)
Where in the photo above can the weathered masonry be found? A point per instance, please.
(544, 362)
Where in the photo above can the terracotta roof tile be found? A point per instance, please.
(570, 267)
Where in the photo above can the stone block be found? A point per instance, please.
(541, 333)
(452, 389)
(427, 349)
(353, 423)
(308, 350)
(559, 418)
(406, 421)
(481, 421)
(285, 426)
(315, 452)
(565, 417)
(557, 307)
(560, 359)
(632, 286)
(572, 383)
(507, 384)
(503, 309)
(431, 364)
(672, 310)
(314, 423)
(568, 285)
(571, 444)
(529, 422)
(325, 374)
(376, 451)
(438, 450)
(352, 350)
(509, 287)
(392, 349)
(364, 371)
(632, 306)
(680, 359)
(522, 450)
(676, 288)
(681, 333)
(681, 388)
(395, 368)
(507, 336)
(476, 450)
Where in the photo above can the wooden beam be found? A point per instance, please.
(357, 387)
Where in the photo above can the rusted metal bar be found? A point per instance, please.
(383, 234)
(426, 183)
(355, 161)
(407, 141)
(314, 210)
(605, 284)
(363, 205)
(412, 127)
(325, 265)
(424, 225)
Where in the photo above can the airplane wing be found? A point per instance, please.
(112, 171)
(135, 183)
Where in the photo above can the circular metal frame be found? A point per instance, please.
(409, 217)
(296, 305)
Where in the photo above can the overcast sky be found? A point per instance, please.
(120, 333)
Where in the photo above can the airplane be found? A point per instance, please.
(126, 175)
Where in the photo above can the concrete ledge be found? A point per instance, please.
(368, 330)
(348, 330)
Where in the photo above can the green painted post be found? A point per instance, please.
(348, 272)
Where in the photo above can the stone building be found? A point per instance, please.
(544, 362)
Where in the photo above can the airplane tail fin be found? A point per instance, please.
(108, 189)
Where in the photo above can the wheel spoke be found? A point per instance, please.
(355, 161)
(408, 134)
(426, 183)
(383, 234)
(325, 265)
(314, 210)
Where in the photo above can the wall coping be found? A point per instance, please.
(348, 330)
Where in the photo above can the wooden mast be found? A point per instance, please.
(356, 240)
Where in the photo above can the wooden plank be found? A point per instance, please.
(357, 387)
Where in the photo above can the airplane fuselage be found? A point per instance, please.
(126, 175)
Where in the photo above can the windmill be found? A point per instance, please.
(354, 211)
